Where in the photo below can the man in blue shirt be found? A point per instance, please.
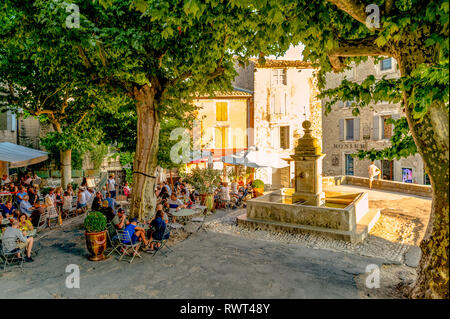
(8, 209)
(111, 201)
(136, 233)
(20, 195)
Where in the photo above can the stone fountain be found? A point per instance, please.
(307, 208)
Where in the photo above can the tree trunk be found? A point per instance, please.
(431, 136)
(66, 167)
(145, 160)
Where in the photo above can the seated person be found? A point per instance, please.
(136, 233)
(185, 198)
(13, 233)
(24, 223)
(109, 214)
(111, 201)
(21, 194)
(25, 206)
(38, 210)
(159, 226)
(225, 192)
(175, 204)
(32, 195)
(97, 202)
(120, 220)
(8, 210)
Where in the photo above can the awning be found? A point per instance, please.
(19, 156)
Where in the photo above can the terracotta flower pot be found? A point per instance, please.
(96, 245)
(258, 192)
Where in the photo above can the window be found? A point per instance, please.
(349, 164)
(221, 111)
(284, 137)
(279, 77)
(386, 128)
(386, 64)
(349, 129)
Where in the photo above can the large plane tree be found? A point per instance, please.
(415, 33)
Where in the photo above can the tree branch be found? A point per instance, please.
(87, 63)
(354, 48)
(355, 8)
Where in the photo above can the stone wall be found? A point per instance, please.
(407, 188)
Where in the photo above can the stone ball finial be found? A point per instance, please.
(306, 125)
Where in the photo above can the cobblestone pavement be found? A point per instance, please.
(219, 261)
(401, 225)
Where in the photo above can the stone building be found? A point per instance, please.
(266, 109)
(285, 95)
(345, 134)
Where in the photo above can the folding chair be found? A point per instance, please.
(9, 253)
(129, 246)
(163, 242)
(68, 210)
(113, 238)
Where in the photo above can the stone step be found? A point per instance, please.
(366, 223)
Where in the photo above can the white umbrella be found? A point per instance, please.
(255, 158)
(266, 159)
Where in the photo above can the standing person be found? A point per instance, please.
(126, 190)
(373, 171)
(13, 232)
(59, 199)
(111, 186)
(81, 199)
(67, 204)
(104, 191)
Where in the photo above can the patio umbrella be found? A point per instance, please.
(255, 158)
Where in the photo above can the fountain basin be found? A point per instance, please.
(344, 216)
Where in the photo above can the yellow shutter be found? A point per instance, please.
(221, 111)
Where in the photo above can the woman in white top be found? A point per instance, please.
(81, 199)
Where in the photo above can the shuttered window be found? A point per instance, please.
(284, 137)
(8, 121)
(279, 77)
(221, 111)
(349, 132)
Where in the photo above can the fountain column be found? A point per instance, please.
(308, 170)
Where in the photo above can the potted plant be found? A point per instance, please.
(205, 181)
(95, 226)
(258, 187)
